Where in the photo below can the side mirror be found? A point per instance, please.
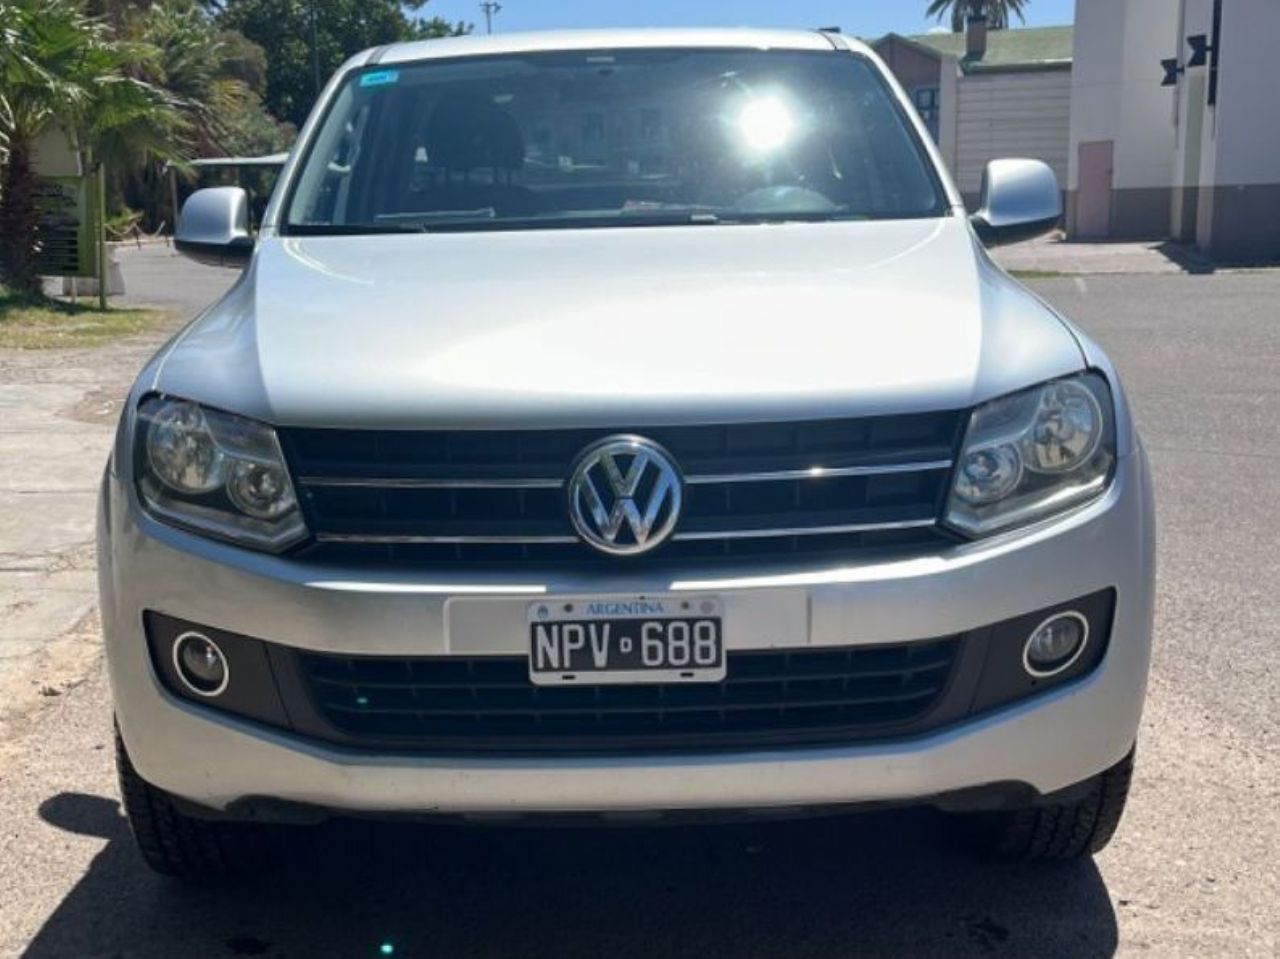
(1020, 200)
(214, 227)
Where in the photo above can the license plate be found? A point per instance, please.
(632, 639)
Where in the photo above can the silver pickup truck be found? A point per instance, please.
(617, 423)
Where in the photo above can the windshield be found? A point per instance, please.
(612, 138)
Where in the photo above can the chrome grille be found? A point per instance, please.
(752, 490)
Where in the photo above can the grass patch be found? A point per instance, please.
(36, 323)
(1037, 274)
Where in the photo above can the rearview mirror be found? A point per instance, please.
(1020, 200)
(214, 227)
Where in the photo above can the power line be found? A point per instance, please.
(491, 9)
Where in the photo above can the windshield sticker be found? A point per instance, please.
(380, 78)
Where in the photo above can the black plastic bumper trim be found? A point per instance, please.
(270, 687)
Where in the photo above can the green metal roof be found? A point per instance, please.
(1019, 48)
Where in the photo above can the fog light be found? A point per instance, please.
(200, 664)
(1055, 644)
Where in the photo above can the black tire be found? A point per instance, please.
(1059, 831)
(182, 846)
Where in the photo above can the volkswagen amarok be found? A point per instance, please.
(616, 423)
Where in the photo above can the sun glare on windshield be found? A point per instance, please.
(622, 138)
(766, 124)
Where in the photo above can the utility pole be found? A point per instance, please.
(100, 215)
(491, 9)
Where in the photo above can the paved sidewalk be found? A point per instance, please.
(58, 411)
(1052, 254)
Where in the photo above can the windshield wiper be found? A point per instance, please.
(793, 216)
(432, 217)
(701, 214)
(578, 221)
(654, 216)
(349, 229)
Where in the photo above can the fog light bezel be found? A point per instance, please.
(1067, 663)
(180, 671)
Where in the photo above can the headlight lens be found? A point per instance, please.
(215, 473)
(260, 489)
(1067, 428)
(1034, 453)
(181, 450)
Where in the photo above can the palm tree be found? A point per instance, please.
(60, 67)
(996, 11)
(33, 93)
(215, 78)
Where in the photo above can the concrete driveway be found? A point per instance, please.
(58, 412)
(1193, 871)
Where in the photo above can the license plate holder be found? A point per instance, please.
(616, 640)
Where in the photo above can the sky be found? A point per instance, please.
(866, 18)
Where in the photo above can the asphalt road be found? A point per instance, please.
(1192, 872)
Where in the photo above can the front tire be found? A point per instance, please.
(1062, 831)
(182, 846)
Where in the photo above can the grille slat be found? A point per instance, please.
(483, 704)
(408, 681)
(753, 491)
(666, 711)
(843, 677)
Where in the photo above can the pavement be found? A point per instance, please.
(58, 412)
(1052, 254)
(1193, 870)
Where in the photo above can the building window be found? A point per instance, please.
(926, 101)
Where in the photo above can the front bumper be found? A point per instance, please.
(1048, 743)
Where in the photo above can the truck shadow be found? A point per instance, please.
(878, 884)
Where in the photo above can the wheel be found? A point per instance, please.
(185, 847)
(1074, 829)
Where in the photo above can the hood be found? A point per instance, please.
(617, 327)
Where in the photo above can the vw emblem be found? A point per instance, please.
(625, 495)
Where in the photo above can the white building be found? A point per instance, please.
(989, 94)
(1198, 160)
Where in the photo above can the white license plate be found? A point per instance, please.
(626, 639)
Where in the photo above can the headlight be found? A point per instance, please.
(1034, 453)
(215, 473)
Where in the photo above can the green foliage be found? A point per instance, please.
(61, 66)
(243, 60)
(306, 40)
(140, 83)
(123, 221)
(216, 77)
(433, 28)
(996, 11)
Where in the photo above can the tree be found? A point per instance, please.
(216, 78)
(306, 40)
(996, 11)
(433, 28)
(58, 66)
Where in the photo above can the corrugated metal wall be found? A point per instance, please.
(1025, 114)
